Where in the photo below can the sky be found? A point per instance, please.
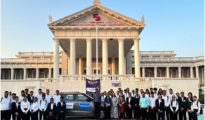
(176, 25)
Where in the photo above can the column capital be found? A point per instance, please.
(137, 38)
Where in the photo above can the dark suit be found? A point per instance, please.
(16, 109)
(160, 106)
(183, 102)
(128, 109)
(189, 103)
(30, 99)
(136, 107)
(61, 107)
(51, 112)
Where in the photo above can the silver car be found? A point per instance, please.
(78, 105)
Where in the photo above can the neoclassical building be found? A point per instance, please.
(98, 42)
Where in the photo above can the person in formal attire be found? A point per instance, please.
(129, 106)
(147, 93)
(144, 106)
(174, 107)
(152, 110)
(61, 109)
(97, 103)
(6, 106)
(114, 107)
(39, 95)
(183, 101)
(13, 97)
(57, 97)
(34, 109)
(22, 96)
(195, 108)
(42, 107)
(189, 103)
(27, 94)
(107, 106)
(16, 109)
(160, 107)
(25, 107)
(155, 93)
(31, 97)
(51, 110)
(167, 104)
(121, 100)
(48, 96)
(136, 105)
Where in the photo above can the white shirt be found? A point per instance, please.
(155, 95)
(195, 106)
(152, 101)
(56, 98)
(126, 95)
(25, 105)
(174, 104)
(43, 105)
(34, 106)
(52, 104)
(147, 95)
(39, 96)
(166, 100)
(21, 99)
(48, 98)
(13, 100)
(5, 103)
(170, 96)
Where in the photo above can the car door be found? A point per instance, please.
(85, 105)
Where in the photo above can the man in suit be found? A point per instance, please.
(51, 110)
(27, 94)
(160, 107)
(152, 112)
(183, 104)
(31, 97)
(136, 104)
(129, 105)
(16, 109)
(61, 109)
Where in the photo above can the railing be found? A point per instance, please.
(176, 59)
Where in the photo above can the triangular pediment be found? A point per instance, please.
(97, 15)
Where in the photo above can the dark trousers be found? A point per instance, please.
(137, 112)
(122, 115)
(144, 113)
(161, 115)
(182, 114)
(34, 115)
(195, 114)
(173, 116)
(107, 112)
(190, 115)
(168, 112)
(61, 116)
(152, 114)
(129, 113)
(6, 115)
(15, 117)
(43, 114)
(25, 116)
(97, 110)
(51, 116)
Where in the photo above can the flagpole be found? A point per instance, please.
(96, 49)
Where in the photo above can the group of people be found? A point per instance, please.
(27, 106)
(151, 104)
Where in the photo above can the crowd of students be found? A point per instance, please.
(151, 104)
(27, 106)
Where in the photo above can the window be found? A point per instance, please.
(69, 97)
(81, 97)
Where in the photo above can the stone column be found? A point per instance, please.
(179, 72)
(167, 72)
(37, 73)
(24, 73)
(143, 72)
(72, 57)
(68, 66)
(197, 71)
(12, 73)
(56, 59)
(104, 57)
(49, 72)
(80, 66)
(113, 66)
(121, 56)
(155, 72)
(136, 58)
(191, 72)
(89, 57)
